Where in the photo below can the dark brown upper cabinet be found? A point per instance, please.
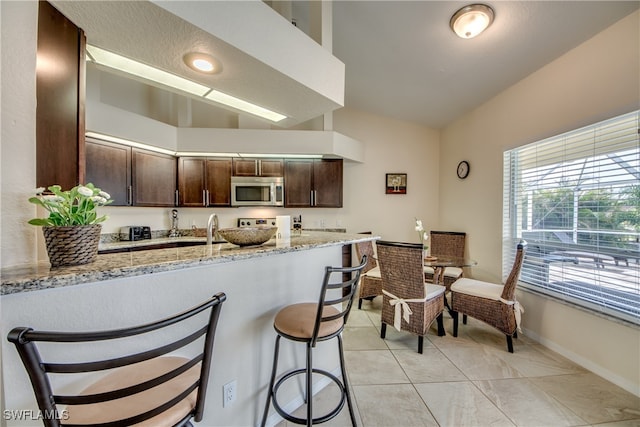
(153, 178)
(60, 93)
(204, 181)
(313, 183)
(109, 168)
(258, 167)
(132, 176)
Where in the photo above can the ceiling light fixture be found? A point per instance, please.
(146, 72)
(202, 62)
(471, 20)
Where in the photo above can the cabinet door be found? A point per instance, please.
(245, 167)
(154, 178)
(271, 167)
(60, 149)
(219, 182)
(109, 168)
(191, 182)
(327, 183)
(298, 176)
(258, 167)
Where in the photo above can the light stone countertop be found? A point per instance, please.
(128, 264)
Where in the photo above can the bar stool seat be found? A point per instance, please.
(298, 320)
(141, 402)
(310, 322)
(163, 383)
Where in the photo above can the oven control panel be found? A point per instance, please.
(253, 222)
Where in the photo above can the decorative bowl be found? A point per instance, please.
(247, 236)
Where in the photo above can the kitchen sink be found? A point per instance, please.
(165, 245)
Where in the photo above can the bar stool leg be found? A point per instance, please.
(271, 382)
(309, 386)
(346, 382)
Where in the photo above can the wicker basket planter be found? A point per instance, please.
(72, 245)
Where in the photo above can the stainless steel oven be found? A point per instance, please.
(257, 191)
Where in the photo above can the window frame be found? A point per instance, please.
(548, 269)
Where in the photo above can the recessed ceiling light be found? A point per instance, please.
(202, 62)
(471, 20)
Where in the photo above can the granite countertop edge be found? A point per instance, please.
(131, 264)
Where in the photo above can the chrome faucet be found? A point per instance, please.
(212, 229)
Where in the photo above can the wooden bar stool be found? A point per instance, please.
(154, 387)
(309, 323)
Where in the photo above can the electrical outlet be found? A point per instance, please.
(229, 393)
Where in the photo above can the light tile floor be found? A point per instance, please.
(470, 380)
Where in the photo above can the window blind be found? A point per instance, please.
(575, 198)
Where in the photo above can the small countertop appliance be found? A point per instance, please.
(135, 232)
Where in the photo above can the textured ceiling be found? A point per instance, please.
(401, 58)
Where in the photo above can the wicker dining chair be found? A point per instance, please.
(408, 304)
(491, 303)
(159, 385)
(450, 243)
(370, 280)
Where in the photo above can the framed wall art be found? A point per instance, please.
(396, 183)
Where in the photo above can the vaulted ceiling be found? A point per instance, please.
(401, 58)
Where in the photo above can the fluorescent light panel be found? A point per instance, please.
(129, 142)
(112, 60)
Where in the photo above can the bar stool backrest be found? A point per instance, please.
(342, 302)
(47, 396)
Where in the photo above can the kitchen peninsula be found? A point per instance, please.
(123, 289)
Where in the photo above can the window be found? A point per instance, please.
(575, 198)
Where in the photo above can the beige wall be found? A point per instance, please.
(17, 178)
(595, 81)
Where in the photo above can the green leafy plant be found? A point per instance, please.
(71, 207)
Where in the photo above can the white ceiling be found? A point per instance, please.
(401, 58)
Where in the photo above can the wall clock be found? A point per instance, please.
(463, 169)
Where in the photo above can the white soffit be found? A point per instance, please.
(266, 60)
(330, 144)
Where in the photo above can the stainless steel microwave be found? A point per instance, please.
(257, 191)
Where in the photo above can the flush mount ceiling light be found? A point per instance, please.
(202, 63)
(471, 20)
(129, 66)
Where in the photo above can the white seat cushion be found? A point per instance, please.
(374, 272)
(477, 288)
(433, 291)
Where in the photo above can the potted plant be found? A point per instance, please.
(72, 229)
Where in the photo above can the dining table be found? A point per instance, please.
(439, 263)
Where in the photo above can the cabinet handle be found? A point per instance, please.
(258, 167)
(204, 198)
(312, 198)
(176, 198)
(315, 198)
(208, 200)
(130, 195)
